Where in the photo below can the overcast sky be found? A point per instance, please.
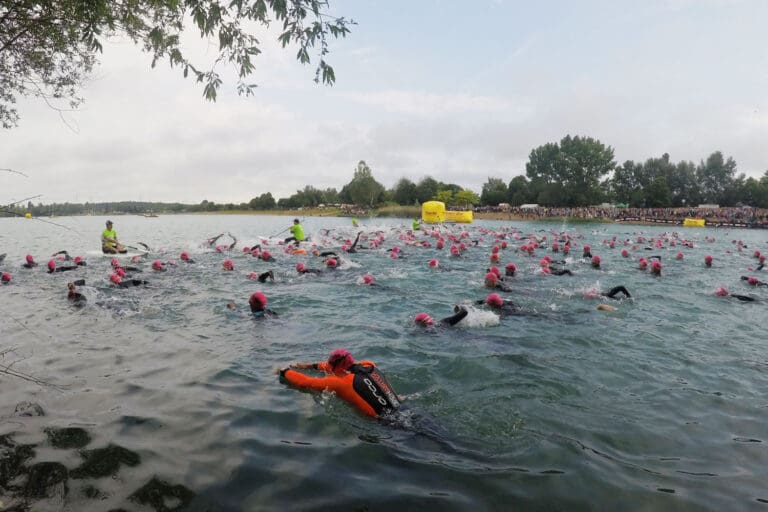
(457, 90)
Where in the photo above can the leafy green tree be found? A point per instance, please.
(466, 198)
(48, 48)
(715, 176)
(684, 185)
(426, 189)
(263, 202)
(494, 192)
(570, 173)
(444, 196)
(404, 192)
(363, 190)
(518, 191)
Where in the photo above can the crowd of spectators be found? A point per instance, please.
(726, 216)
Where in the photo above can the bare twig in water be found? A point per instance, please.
(7, 369)
(14, 171)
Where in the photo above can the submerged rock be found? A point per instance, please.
(46, 480)
(69, 437)
(103, 462)
(28, 409)
(162, 496)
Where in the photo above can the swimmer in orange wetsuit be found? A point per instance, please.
(361, 384)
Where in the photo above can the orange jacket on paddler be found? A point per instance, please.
(361, 384)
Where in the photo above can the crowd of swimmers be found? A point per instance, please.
(361, 383)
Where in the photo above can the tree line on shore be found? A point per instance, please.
(576, 172)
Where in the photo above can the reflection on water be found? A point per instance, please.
(165, 399)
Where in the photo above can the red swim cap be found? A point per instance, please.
(78, 259)
(331, 262)
(494, 300)
(246, 249)
(6, 277)
(433, 263)
(495, 270)
(51, 265)
(228, 265)
(490, 279)
(300, 267)
(368, 279)
(595, 261)
(253, 275)
(679, 255)
(184, 256)
(753, 281)
(265, 255)
(120, 272)
(258, 301)
(340, 359)
(423, 319)
(721, 292)
(115, 278)
(157, 265)
(30, 259)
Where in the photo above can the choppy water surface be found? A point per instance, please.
(660, 405)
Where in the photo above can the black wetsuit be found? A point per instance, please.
(354, 244)
(62, 269)
(128, 283)
(560, 271)
(266, 275)
(743, 298)
(611, 294)
(310, 271)
(29, 265)
(326, 254)
(461, 313)
(264, 313)
(759, 283)
(502, 287)
(507, 307)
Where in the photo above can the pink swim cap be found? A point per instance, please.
(753, 281)
(246, 249)
(595, 261)
(490, 279)
(625, 253)
(115, 262)
(440, 244)
(184, 256)
(30, 259)
(219, 248)
(51, 265)
(679, 255)
(543, 262)
(494, 257)
(393, 255)
(157, 265)
(494, 300)
(253, 275)
(300, 267)
(566, 249)
(115, 278)
(423, 319)
(433, 263)
(135, 259)
(340, 359)
(495, 249)
(368, 279)
(258, 301)
(228, 265)
(587, 249)
(495, 270)
(78, 259)
(120, 272)
(503, 245)
(721, 292)
(6, 277)
(332, 263)
(265, 255)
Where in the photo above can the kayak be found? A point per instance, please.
(110, 255)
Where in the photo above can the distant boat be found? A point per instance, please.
(150, 214)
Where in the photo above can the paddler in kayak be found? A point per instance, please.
(297, 233)
(109, 243)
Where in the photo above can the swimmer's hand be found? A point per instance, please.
(278, 370)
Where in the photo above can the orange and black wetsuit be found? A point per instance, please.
(363, 386)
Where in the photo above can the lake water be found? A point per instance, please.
(660, 405)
